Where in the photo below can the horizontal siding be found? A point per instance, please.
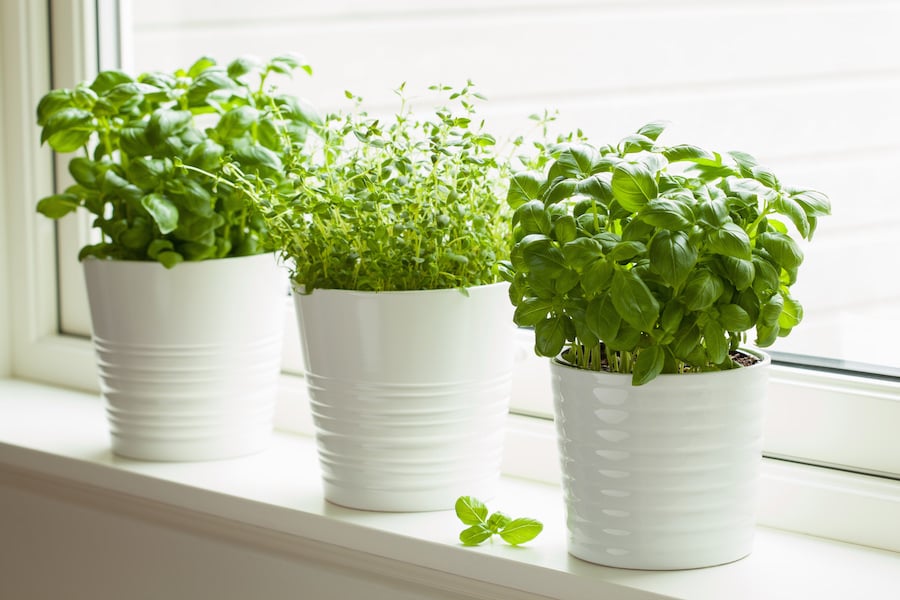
(810, 87)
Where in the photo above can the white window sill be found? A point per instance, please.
(59, 437)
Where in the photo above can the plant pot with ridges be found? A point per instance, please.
(184, 288)
(641, 268)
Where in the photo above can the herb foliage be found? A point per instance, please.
(646, 259)
(404, 204)
(135, 134)
(482, 527)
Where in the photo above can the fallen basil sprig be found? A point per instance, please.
(472, 511)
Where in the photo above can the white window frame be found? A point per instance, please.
(814, 414)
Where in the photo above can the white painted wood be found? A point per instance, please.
(69, 508)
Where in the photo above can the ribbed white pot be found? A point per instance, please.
(188, 357)
(664, 475)
(409, 392)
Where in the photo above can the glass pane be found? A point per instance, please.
(810, 90)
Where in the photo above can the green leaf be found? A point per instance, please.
(672, 256)
(702, 290)
(83, 171)
(165, 123)
(602, 318)
(771, 311)
(795, 212)
(531, 311)
(627, 251)
(206, 83)
(814, 203)
(734, 318)
(596, 276)
(791, 314)
(107, 80)
(236, 121)
(255, 155)
(550, 335)
(206, 155)
(519, 531)
(633, 185)
(200, 65)
(542, 259)
(163, 212)
(649, 364)
(564, 229)
(715, 341)
(169, 259)
(635, 143)
(475, 535)
(498, 521)
(782, 248)
(652, 130)
(765, 279)
(766, 177)
(686, 152)
(524, 187)
(58, 205)
(738, 271)
(240, 66)
(147, 173)
(68, 129)
(532, 217)
(577, 161)
(745, 162)
(53, 102)
(581, 252)
(633, 300)
(298, 110)
(471, 510)
(672, 314)
(668, 214)
(730, 240)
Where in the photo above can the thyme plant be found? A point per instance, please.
(411, 203)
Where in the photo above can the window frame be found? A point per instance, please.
(38, 351)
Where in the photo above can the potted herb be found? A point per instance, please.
(642, 267)
(394, 230)
(183, 285)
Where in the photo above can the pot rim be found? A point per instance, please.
(765, 361)
(299, 290)
(139, 264)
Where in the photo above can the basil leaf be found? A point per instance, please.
(649, 364)
(633, 185)
(633, 300)
(471, 510)
(672, 256)
(524, 187)
(519, 531)
(162, 210)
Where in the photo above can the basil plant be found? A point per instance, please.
(643, 258)
(136, 136)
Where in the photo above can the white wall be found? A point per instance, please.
(6, 247)
(62, 541)
(810, 87)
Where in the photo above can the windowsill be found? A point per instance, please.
(60, 436)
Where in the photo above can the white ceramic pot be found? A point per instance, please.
(409, 392)
(188, 357)
(664, 475)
